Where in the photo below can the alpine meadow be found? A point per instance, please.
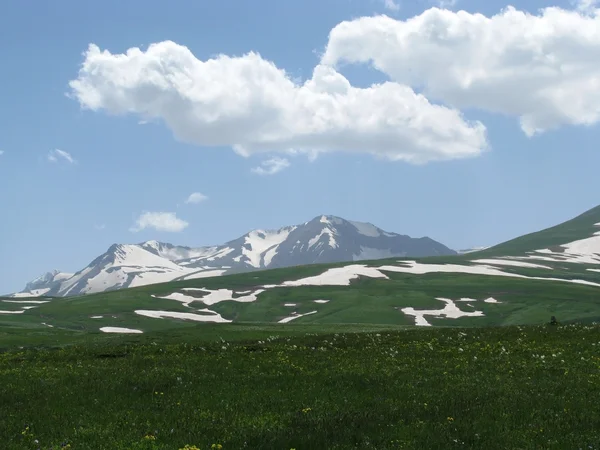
(273, 225)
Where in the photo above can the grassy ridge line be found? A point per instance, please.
(367, 301)
(577, 228)
(492, 388)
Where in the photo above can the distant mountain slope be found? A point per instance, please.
(576, 240)
(325, 239)
(456, 292)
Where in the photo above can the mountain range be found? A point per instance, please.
(324, 239)
(552, 272)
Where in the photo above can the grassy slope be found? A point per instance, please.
(488, 388)
(580, 227)
(367, 301)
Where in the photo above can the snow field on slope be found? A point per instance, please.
(26, 301)
(260, 241)
(450, 311)
(581, 251)
(211, 316)
(33, 293)
(343, 276)
(295, 316)
(119, 330)
(145, 266)
(23, 304)
(510, 262)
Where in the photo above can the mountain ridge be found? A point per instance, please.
(323, 239)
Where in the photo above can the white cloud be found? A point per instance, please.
(544, 69)
(271, 166)
(196, 197)
(446, 3)
(391, 5)
(248, 103)
(587, 6)
(1, 152)
(100, 227)
(56, 154)
(160, 221)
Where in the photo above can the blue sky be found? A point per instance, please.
(62, 214)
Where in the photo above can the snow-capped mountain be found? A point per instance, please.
(324, 239)
(43, 285)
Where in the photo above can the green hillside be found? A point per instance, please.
(407, 355)
(366, 301)
(580, 227)
(502, 285)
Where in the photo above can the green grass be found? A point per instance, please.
(366, 301)
(483, 388)
(580, 227)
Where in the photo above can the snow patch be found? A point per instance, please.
(420, 269)
(295, 316)
(471, 250)
(211, 316)
(258, 242)
(32, 293)
(450, 311)
(330, 220)
(184, 299)
(491, 300)
(339, 276)
(119, 330)
(325, 231)
(321, 301)
(289, 304)
(223, 295)
(204, 274)
(26, 301)
(95, 317)
(582, 251)
(21, 311)
(509, 262)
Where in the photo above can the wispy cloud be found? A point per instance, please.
(391, 5)
(100, 227)
(586, 5)
(56, 154)
(446, 3)
(271, 166)
(196, 197)
(1, 152)
(159, 221)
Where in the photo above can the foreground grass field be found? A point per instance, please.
(486, 388)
